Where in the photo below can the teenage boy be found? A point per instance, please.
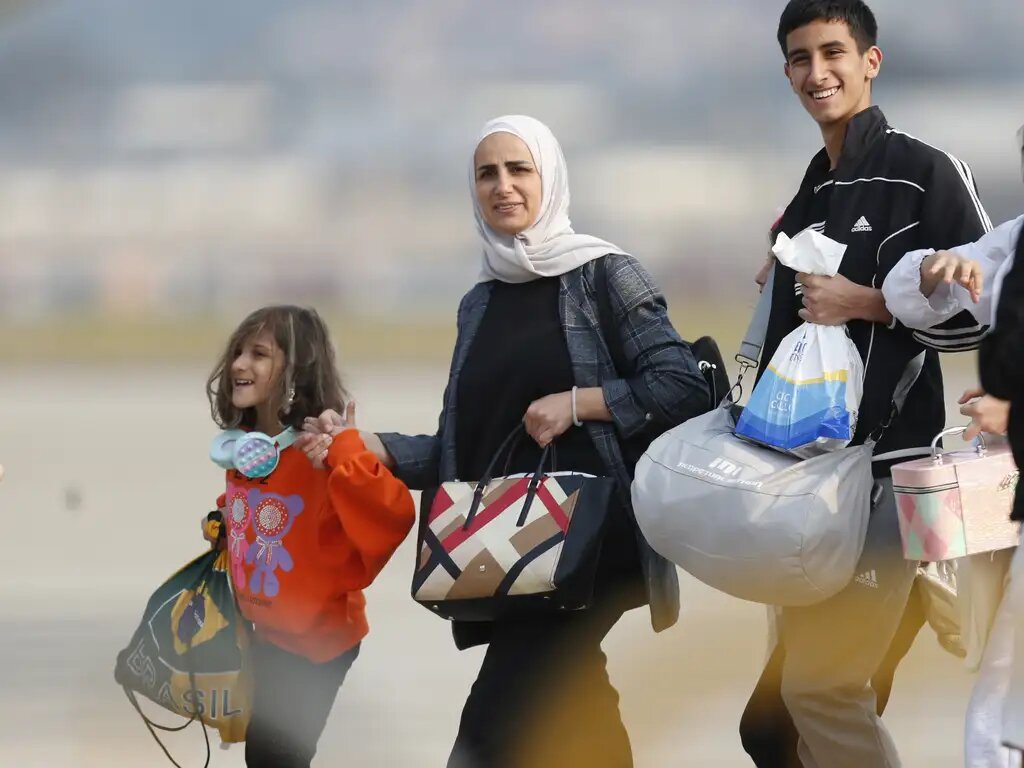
(882, 193)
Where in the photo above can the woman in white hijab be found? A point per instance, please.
(530, 350)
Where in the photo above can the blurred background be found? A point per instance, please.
(166, 167)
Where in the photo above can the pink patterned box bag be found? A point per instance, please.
(956, 503)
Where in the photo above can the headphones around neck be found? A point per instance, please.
(254, 454)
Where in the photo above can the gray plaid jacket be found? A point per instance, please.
(664, 384)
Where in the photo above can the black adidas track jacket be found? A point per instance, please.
(889, 194)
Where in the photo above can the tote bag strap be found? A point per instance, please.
(507, 446)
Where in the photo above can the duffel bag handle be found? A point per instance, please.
(937, 453)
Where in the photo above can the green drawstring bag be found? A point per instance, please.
(189, 653)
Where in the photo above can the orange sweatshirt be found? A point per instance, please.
(304, 543)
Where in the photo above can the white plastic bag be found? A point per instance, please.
(806, 402)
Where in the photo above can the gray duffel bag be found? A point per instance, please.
(750, 521)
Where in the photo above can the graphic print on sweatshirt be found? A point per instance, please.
(238, 516)
(272, 517)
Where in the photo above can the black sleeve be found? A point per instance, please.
(952, 214)
(1001, 360)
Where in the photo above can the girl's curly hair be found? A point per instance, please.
(310, 369)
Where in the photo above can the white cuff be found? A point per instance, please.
(903, 298)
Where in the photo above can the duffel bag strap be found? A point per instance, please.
(753, 339)
(899, 395)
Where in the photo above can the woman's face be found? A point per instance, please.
(508, 184)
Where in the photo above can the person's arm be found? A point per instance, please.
(838, 300)
(416, 459)
(920, 300)
(374, 507)
(666, 385)
(1000, 360)
(951, 214)
(417, 452)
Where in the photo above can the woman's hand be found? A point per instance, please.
(330, 422)
(318, 433)
(988, 414)
(549, 417)
(947, 267)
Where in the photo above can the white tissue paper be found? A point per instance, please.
(810, 252)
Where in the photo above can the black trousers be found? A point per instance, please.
(767, 731)
(543, 698)
(292, 698)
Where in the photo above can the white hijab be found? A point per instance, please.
(548, 247)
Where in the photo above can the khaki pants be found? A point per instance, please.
(833, 648)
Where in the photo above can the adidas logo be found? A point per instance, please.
(861, 225)
(868, 579)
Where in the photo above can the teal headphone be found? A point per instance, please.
(254, 454)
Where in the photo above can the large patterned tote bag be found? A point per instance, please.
(511, 544)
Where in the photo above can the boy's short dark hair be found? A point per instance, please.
(854, 13)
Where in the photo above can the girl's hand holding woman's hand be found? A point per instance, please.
(319, 432)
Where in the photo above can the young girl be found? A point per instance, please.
(305, 536)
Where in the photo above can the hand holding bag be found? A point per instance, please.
(807, 401)
(511, 544)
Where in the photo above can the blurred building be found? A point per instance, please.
(195, 157)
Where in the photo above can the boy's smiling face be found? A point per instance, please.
(827, 71)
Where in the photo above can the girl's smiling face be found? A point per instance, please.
(256, 376)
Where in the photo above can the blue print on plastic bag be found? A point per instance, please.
(787, 414)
